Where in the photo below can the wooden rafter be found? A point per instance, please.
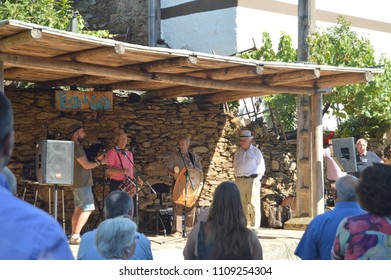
(22, 38)
(291, 77)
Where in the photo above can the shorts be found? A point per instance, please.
(83, 198)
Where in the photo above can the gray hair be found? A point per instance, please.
(362, 140)
(118, 203)
(115, 237)
(345, 188)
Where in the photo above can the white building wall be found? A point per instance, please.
(236, 29)
(252, 23)
(209, 32)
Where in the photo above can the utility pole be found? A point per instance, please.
(309, 186)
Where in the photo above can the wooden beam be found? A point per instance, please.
(172, 92)
(338, 80)
(227, 85)
(227, 96)
(71, 67)
(19, 39)
(344, 79)
(79, 80)
(229, 73)
(292, 77)
(165, 65)
(138, 85)
(94, 54)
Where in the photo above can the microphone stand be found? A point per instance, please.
(184, 233)
(105, 183)
(136, 183)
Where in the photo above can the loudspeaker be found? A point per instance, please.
(343, 150)
(54, 161)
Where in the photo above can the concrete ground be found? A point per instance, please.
(277, 244)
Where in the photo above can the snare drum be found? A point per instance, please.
(128, 186)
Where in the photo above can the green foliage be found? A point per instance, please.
(51, 13)
(340, 46)
(284, 103)
(362, 127)
(363, 109)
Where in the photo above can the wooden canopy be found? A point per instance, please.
(51, 57)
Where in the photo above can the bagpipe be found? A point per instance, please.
(93, 151)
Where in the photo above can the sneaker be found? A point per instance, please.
(74, 240)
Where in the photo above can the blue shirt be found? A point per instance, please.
(29, 233)
(3, 182)
(317, 241)
(88, 251)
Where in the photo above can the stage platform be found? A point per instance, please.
(277, 244)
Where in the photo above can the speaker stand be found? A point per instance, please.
(56, 205)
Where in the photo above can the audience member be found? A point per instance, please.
(115, 238)
(11, 180)
(368, 236)
(317, 241)
(333, 170)
(364, 158)
(224, 235)
(117, 203)
(26, 232)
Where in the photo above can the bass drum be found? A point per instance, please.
(193, 186)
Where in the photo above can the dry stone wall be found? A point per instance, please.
(120, 17)
(153, 129)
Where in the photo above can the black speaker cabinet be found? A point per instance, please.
(54, 162)
(343, 150)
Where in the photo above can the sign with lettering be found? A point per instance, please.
(67, 100)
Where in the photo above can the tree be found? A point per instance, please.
(340, 46)
(51, 13)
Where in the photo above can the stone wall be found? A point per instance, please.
(120, 17)
(154, 129)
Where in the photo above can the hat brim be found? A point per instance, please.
(74, 129)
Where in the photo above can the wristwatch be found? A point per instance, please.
(97, 162)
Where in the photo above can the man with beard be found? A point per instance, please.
(82, 183)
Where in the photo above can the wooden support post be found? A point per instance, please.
(317, 155)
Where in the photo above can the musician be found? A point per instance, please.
(82, 183)
(177, 162)
(249, 167)
(119, 162)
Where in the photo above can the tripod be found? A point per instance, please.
(101, 208)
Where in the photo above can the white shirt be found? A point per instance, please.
(249, 162)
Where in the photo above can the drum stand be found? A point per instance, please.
(137, 187)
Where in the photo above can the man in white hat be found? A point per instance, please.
(249, 167)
